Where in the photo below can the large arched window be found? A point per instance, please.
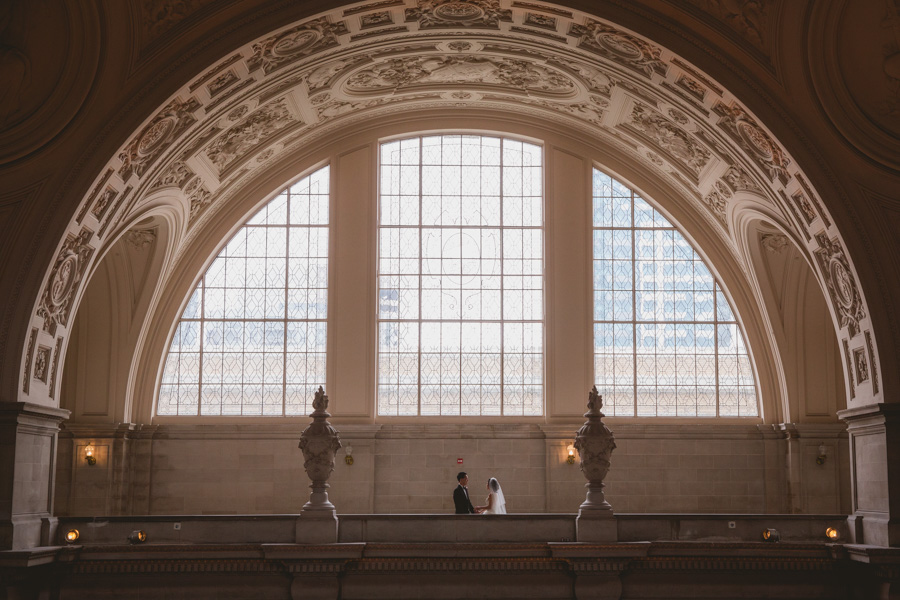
(666, 342)
(460, 276)
(252, 338)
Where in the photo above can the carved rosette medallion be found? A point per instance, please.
(619, 47)
(595, 444)
(743, 130)
(483, 14)
(65, 278)
(319, 442)
(296, 44)
(841, 285)
(158, 135)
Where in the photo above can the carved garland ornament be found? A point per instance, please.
(398, 73)
(841, 285)
(65, 277)
(241, 139)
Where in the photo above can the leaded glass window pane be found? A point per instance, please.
(666, 342)
(460, 277)
(251, 341)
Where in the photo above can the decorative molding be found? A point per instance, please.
(372, 6)
(176, 174)
(619, 47)
(872, 361)
(139, 239)
(157, 136)
(29, 354)
(758, 145)
(849, 362)
(376, 19)
(93, 195)
(42, 363)
(776, 243)
(538, 20)
(805, 208)
(55, 366)
(295, 44)
(680, 147)
(478, 14)
(860, 366)
(841, 285)
(65, 279)
(212, 72)
(222, 82)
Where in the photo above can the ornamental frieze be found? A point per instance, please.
(157, 136)
(467, 69)
(177, 174)
(667, 137)
(755, 142)
(295, 44)
(738, 179)
(481, 14)
(619, 47)
(841, 284)
(65, 279)
(260, 127)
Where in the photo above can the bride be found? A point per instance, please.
(496, 503)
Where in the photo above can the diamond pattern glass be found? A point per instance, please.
(666, 342)
(460, 277)
(251, 340)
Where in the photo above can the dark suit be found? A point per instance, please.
(462, 502)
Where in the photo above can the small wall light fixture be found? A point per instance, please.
(832, 533)
(823, 453)
(137, 536)
(89, 455)
(348, 458)
(72, 536)
(571, 457)
(770, 535)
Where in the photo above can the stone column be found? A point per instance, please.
(28, 435)
(319, 442)
(595, 444)
(874, 432)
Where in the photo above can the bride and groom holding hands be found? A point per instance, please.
(495, 504)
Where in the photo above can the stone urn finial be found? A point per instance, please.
(319, 442)
(595, 444)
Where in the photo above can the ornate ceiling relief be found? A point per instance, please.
(199, 199)
(861, 367)
(177, 174)
(295, 44)
(738, 179)
(806, 209)
(620, 47)
(263, 126)
(681, 148)
(65, 278)
(139, 239)
(840, 283)
(159, 134)
(743, 130)
(776, 243)
(42, 364)
(435, 14)
(469, 69)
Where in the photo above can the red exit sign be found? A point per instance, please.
(459, 461)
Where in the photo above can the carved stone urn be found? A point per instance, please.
(595, 444)
(319, 442)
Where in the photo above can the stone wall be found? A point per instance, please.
(257, 469)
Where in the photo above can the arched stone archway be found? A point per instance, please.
(295, 86)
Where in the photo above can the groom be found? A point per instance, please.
(461, 496)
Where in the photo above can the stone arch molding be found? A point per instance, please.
(360, 63)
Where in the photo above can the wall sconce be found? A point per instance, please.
(770, 535)
(89, 455)
(832, 533)
(137, 537)
(823, 453)
(72, 536)
(348, 458)
(571, 457)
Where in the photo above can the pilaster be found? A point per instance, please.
(28, 435)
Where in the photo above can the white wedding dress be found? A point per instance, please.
(498, 505)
